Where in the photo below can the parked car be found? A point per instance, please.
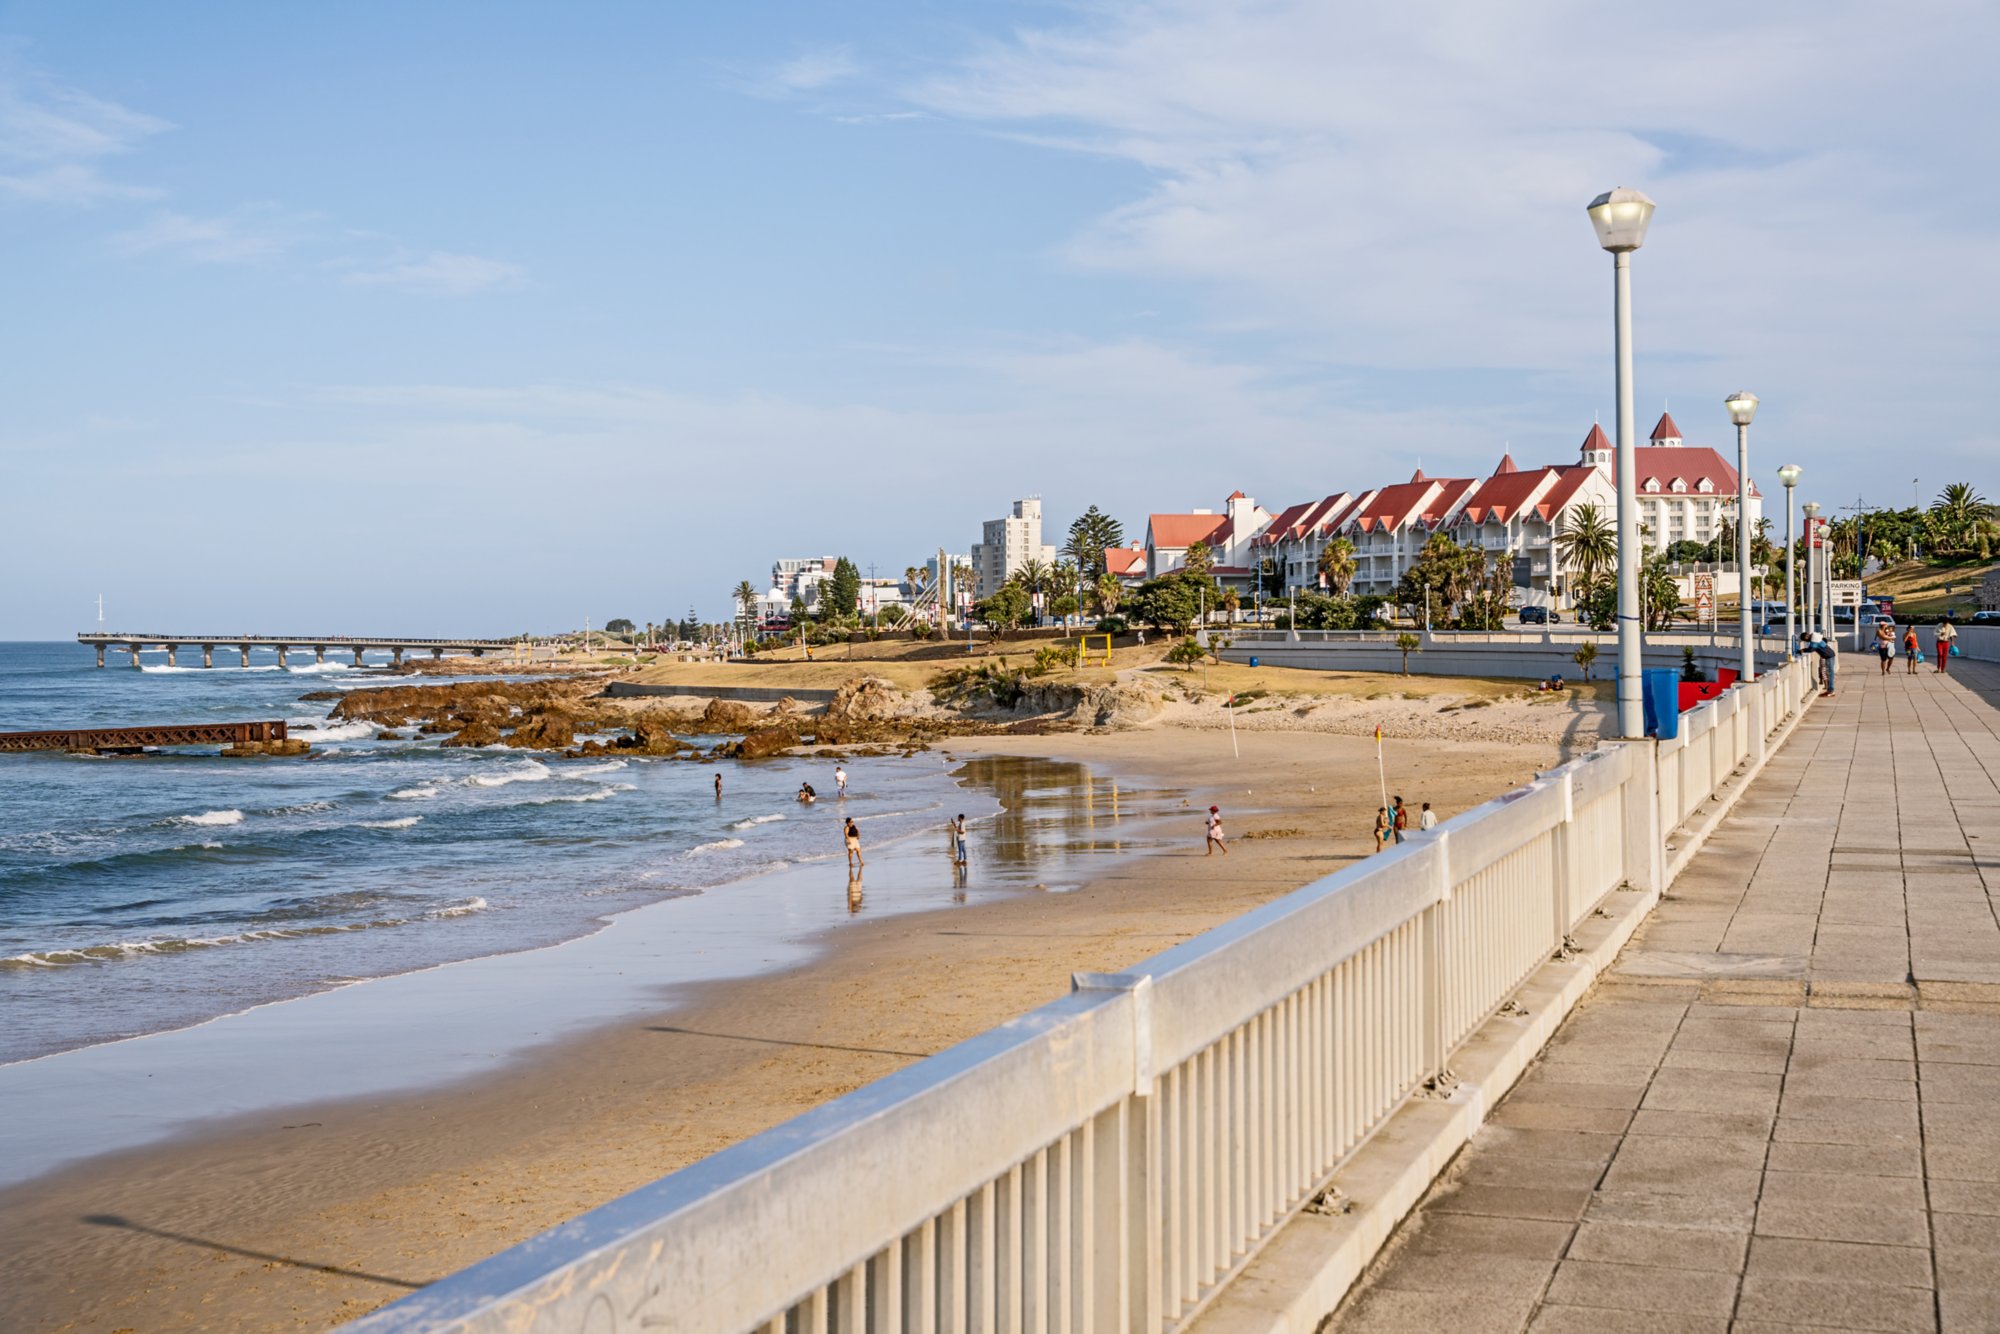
(1539, 616)
(1984, 618)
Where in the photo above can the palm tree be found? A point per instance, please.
(1336, 564)
(1588, 546)
(1108, 594)
(1959, 511)
(1764, 554)
(746, 600)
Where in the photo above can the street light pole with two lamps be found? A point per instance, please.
(1620, 218)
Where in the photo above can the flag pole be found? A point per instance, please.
(1381, 774)
(1232, 729)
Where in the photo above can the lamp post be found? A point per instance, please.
(1742, 407)
(1620, 217)
(1811, 508)
(1789, 475)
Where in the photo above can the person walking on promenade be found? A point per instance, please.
(1215, 839)
(1381, 826)
(1947, 637)
(1427, 818)
(852, 836)
(1885, 645)
(1912, 651)
(1816, 645)
(839, 781)
(1400, 818)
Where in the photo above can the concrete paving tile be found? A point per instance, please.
(1712, 1091)
(1389, 1311)
(1734, 1035)
(1962, 1162)
(1642, 1288)
(1487, 1169)
(1477, 1234)
(1702, 1058)
(1550, 1116)
(1838, 1305)
(1673, 1247)
(1717, 1213)
(1966, 1232)
(1596, 1320)
(1961, 1269)
(1701, 1125)
(1961, 1083)
(1959, 1123)
(1890, 1116)
(1820, 1222)
(1512, 1202)
(1833, 1021)
(1814, 1058)
(1811, 1084)
(1839, 1261)
(1841, 1189)
(1738, 1012)
(1887, 1156)
(1963, 1310)
(1966, 1197)
(1473, 1277)
(1623, 1097)
(1549, 1145)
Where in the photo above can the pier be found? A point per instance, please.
(394, 645)
(126, 740)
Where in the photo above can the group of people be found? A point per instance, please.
(1392, 822)
(1886, 643)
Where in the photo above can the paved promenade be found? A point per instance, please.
(1781, 1110)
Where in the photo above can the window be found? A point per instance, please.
(1679, 486)
(1652, 484)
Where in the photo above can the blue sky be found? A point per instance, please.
(474, 318)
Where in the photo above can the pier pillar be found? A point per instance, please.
(246, 654)
(135, 654)
(357, 657)
(437, 655)
(281, 656)
(173, 655)
(208, 655)
(100, 655)
(396, 655)
(319, 655)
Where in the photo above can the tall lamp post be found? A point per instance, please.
(1620, 217)
(1789, 475)
(1811, 508)
(1742, 407)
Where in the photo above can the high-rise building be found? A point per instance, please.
(1007, 544)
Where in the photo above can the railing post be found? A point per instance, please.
(1124, 1250)
(1645, 852)
(1563, 853)
(1439, 1079)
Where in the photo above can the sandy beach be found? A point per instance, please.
(304, 1217)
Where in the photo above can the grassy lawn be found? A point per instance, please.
(1921, 587)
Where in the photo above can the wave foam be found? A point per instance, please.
(413, 793)
(121, 950)
(755, 820)
(403, 823)
(303, 808)
(211, 818)
(470, 906)
(590, 770)
(720, 845)
(599, 794)
(528, 771)
(337, 732)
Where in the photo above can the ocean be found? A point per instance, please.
(148, 893)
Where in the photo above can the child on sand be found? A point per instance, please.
(1215, 832)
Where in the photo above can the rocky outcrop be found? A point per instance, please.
(869, 699)
(247, 749)
(724, 715)
(765, 742)
(478, 732)
(1119, 706)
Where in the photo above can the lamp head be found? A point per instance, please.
(1789, 475)
(1742, 406)
(1811, 507)
(1620, 217)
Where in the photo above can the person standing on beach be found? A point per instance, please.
(852, 836)
(957, 828)
(1947, 636)
(1912, 651)
(839, 781)
(1427, 818)
(1381, 826)
(1885, 645)
(1215, 833)
(1400, 818)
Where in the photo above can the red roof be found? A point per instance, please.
(1289, 519)
(1597, 440)
(1180, 531)
(1393, 506)
(1506, 464)
(1124, 560)
(1569, 481)
(1666, 430)
(1689, 464)
(1501, 496)
(1236, 495)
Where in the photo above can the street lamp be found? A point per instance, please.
(1789, 475)
(1742, 407)
(1620, 217)
(1811, 508)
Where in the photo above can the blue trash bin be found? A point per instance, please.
(1661, 693)
(1253, 662)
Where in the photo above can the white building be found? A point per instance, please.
(793, 574)
(1008, 544)
(1231, 537)
(1686, 492)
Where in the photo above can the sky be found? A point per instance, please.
(479, 318)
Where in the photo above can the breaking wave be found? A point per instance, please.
(403, 823)
(211, 818)
(720, 845)
(754, 821)
(527, 771)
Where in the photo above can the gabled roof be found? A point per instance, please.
(1569, 481)
(1688, 463)
(1124, 560)
(1666, 430)
(1289, 519)
(1429, 500)
(1177, 532)
(1501, 496)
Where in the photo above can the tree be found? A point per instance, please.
(746, 601)
(1958, 513)
(1107, 594)
(1491, 595)
(1089, 536)
(619, 625)
(1409, 643)
(1171, 602)
(1586, 653)
(843, 591)
(1659, 595)
(1008, 608)
(1336, 564)
(1439, 579)
(1200, 559)
(1588, 546)
(1186, 654)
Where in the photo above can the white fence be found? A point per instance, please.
(1111, 1160)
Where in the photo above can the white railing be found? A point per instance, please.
(1111, 1160)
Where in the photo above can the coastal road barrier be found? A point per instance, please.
(1531, 657)
(1112, 1160)
(101, 739)
(394, 645)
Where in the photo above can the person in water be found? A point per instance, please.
(852, 836)
(806, 793)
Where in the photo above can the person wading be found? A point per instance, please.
(852, 836)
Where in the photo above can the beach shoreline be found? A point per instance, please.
(304, 1216)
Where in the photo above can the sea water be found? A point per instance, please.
(145, 893)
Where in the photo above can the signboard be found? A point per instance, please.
(1846, 592)
(1816, 532)
(1704, 596)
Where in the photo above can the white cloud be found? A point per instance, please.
(806, 73)
(53, 138)
(248, 235)
(441, 272)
